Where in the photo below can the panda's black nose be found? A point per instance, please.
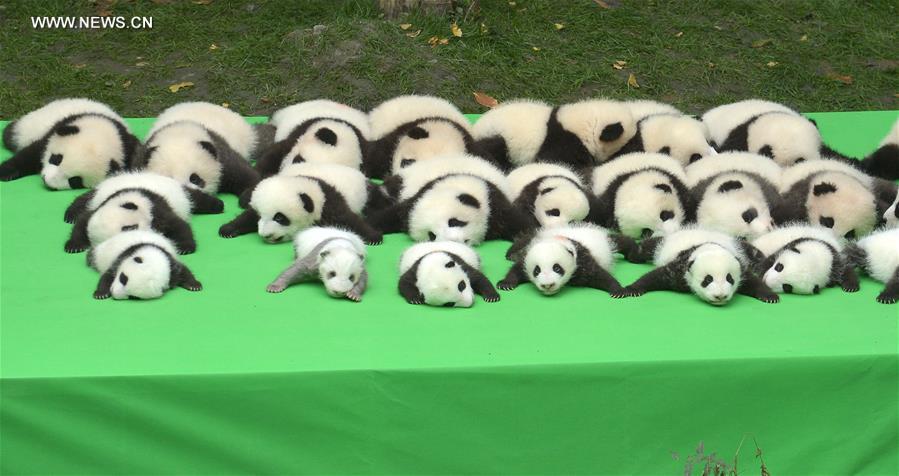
(76, 182)
(123, 278)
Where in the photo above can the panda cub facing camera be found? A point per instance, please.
(574, 255)
(443, 273)
(878, 255)
(71, 143)
(334, 256)
(663, 129)
(552, 193)
(138, 264)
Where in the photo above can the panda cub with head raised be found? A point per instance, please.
(878, 255)
(202, 145)
(138, 264)
(316, 131)
(71, 143)
(573, 255)
(710, 264)
(136, 201)
(443, 273)
(303, 195)
(663, 129)
(554, 194)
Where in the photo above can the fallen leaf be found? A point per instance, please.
(141, 64)
(896, 95)
(457, 32)
(803, 38)
(126, 84)
(559, 26)
(226, 104)
(433, 41)
(602, 4)
(108, 83)
(761, 43)
(619, 65)
(772, 64)
(485, 100)
(843, 78)
(413, 34)
(79, 65)
(679, 34)
(712, 65)
(265, 99)
(444, 41)
(717, 28)
(535, 48)
(179, 86)
(632, 81)
(202, 2)
(484, 29)
(405, 26)
(511, 4)
(182, 65)
(213, 47)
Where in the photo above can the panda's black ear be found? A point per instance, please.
(730, 185)
(326, 135)
(67, 130)
(418, 133)
(205, 144)
(766, 151)
(308, 204)
(113, 167)
(812, 121)
(665, 150)
(824, 188)
(611, 132)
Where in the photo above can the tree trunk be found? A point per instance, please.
(393, 8)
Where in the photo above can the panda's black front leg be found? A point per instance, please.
(25, 162)
(514, 277)
(645, 250)
(849, 279)
(392, 219)
(78, 206)
(377, 199)
(601, 279)
(187, 280)
(238, 177)
(172, 226)
(78, 239)
(519, 244)
(202, 203)
(356, 224)
(890, 293)
(754, 287)
(627, 246)
(409, 290)
(244, 223)
(480, 284)
(104, 286)
(655, 280)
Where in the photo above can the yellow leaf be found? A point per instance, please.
(896, 95)
(179, 86)
(619, 64)
(485, 100)
(761, 43)
(141, 64)
(602, 4)
(433, 41)
(202, 2)
(512, 4)
(444, 41)
(772, 64)
(413, 34)
(405, 26)
(559, 26)
(79, 65)
(226, 104)
(717, 28)
(632, 81)
(265, 99)
(484, 29)
(535, 48)
(843, 78)
(126, 84)
(679, 34)
(712, 65)
(213, 47)
(803, 38)
(457, 32)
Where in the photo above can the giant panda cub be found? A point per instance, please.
(443, 273)
(138, 264)
(663, 129)
(552, 193)
(202, 145)
(303, 195)
(576, 255)
(710, 264)
(884, 162)
(641, 194)
(316, 131)
(334, 256)
(878, 255)
(803, 259)
(458, 197)
(136, 201)
(834, 195)
(71, 143)
(409, 129)
(735, 192)
(580, 134)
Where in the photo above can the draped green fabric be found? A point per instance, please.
(235, 380)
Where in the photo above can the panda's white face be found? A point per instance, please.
(736, 205)
(891, 217)
(327, 141)
(681, 137)
(647, 203)
(803, 269)
(842, 204)
(340, 269)
(442, 282)
(125, 212)
(559, 202)
(425, 141)
(143, 275)
(550, 263)
(786, 138)
(81, 153)
(286, 205)
(185, 152)
(456, 209)
(713, 274)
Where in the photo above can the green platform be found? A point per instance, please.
(235, 380)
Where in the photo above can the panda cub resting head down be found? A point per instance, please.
(71, 143)
(138, 264)
(663, 129)
(443, 273)
(552, 193)
(878, 255)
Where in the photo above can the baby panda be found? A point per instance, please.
(443, 273)
(202, 145)
(71, 143)
(408, 129)
(577, 255)
(552, 193)
(580, 134)
(642, 193)
(303, 195)
(458, 198)
(710, 264)
(884, 162)
(316, 131)
(878, 255)
(734, 192)
(136, 201)
(834, 195)
(663, 129)
(138, 264)
(803, 259)
(333, 255)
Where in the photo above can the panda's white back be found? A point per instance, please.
(589, 117)
(288, 118)
(687, 238)
(723, 119)
(36, 124)
(605, 174)
(882, 248)
(771, 242)
(168, 188)
(734, 162)
(309, 238)
(801, 171)
(102, 256)
(592, 237)
(522, 125)
(524, 175)
(350, 182)
(420, 173)
(416, 251)
(231, 126)
(400, 110)
(644, 107)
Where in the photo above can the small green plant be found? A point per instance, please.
(712, 465)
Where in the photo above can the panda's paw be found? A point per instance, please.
(275, 288)
(886, 298)
(74, 247)
(226, 231)
(619, 293)
(194, 287)
(415, 301)
(505, 285)
(188, 250)
(851, 289)
(6, 176)
(769, 298)
(633, 292)
(491, 298)
(102, 295)
(372, 242)
(354, 296)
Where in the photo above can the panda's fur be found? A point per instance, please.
(723, 119)
(878, 255)
(643, 108)
(316, 131)
(138, 264)
(641, 194)
(334, 256)
(459, 198)
(891, 216)
(202, 145)
(71, 143)
(136, 201)
(577, 255)
(712, 265)
(410, 129)
(803, 259)
(884, 162)
(514, 131)
(835, 195)
(303, 195)
(443, 273)
(554, 194)
(734, 192)
(679, 136)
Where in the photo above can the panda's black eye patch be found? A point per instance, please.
(558, 269)
(208, 147)
(536, 271)
(750, 215)
(308, 204)
(432, 236)
(469, 200)
(553, 212)
(767, 151)
(196, 180)
(663, 187)
(665, 150)
(406, 162)
(67, 130)
(55, 159)
(706, 281)
(788, 288)
(123, 278)
(138, 259)
(418, 133)
(666, 215)
(729, 278)
(129, 206)
(730, 185)
(326, 135)
(826, 222)
(824, 188)
(456, 223)
(331, 274)
(129, 227)
(547, 190)
(611, 132)
(298, 159)
(779, 267)
(451, 264)
(462, 286)
(695, 157)
(281, 219)
(76, 182)
(799, 160)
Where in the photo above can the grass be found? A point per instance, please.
(266, 54)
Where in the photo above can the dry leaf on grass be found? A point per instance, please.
(535, 48)
(896, 95)
(772, 64)
(265, 99)
(141, 64)
(803, 38)
(126, 84)
(761, 43)
(226, 104)
(179, 86)
(484, 29)
(485, 100)
(413, 34)
(202, 2)
(632, 81)
(712, 65)
(679, 34)
(559, 26)
(444, 41)
(405, 26)
(511, 4)
(619, 65)
(843, 78)
(79, 65)
(433, 41)
(213, 47)
(602, 4)
(457, 32)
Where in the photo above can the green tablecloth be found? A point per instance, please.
(233, 379)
